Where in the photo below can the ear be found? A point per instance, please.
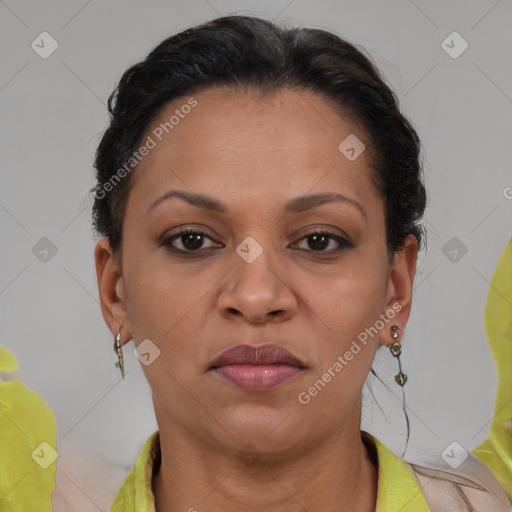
(399, 289)
(111, 290)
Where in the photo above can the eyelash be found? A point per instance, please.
(167, 242)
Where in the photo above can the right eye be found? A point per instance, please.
(190, 239)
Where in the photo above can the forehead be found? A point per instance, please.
(237, 143)
(224, 117)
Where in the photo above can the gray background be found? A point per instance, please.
(52, 114)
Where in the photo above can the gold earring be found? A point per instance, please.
(119, 351)
(396, 350)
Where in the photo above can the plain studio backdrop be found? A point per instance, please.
(446, 63)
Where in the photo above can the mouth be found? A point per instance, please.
(257, 368)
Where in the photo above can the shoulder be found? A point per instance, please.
(471, 488)
(423, 483)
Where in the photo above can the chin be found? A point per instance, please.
(260, 429)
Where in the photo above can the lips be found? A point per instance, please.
(261, 355)
(256, 369)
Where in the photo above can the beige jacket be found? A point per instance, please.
(470, 488)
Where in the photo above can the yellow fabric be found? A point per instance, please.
(398, 488)
(136, 495)
(27, 467)
(496, 450)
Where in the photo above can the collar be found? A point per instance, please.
(398, 488)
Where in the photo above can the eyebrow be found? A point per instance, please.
(298, 205)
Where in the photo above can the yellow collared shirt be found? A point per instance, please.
(398, 488)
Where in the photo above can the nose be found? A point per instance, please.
(257, 292)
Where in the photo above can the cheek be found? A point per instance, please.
(158, 295)
(342, 319)
(342, 313)
(161, 304)
(347, 299)
(170, 305)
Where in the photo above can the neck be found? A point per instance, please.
(340, 474)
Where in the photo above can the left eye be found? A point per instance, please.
(319, 240)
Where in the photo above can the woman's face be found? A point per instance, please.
(255, 274)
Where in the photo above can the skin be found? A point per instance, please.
(224, 448)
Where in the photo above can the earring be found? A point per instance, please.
(396, 350)
(119, 351)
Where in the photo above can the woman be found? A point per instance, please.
(259, 196)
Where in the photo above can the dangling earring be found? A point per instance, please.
(401, 378)
(396, 350)
(119, 351)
